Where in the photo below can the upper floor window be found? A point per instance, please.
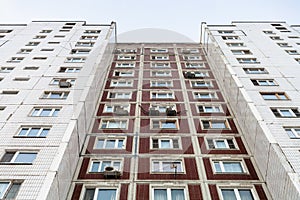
(110, 143)
(101, 165)
(31, 68)
(126, 57)
(92, 31)
(80, 51)
(119, 95)
(6, 69)
(161, 83)
(70, 69)
(45, 31)
(161, 73)
(58, 81)
(225, 31)
(196, 74)
(55, 95)
(194, 65)
(275, 38)
(28, 131)
(165, 124)
(121, 83)
(125, 65)
(237, 194)
(159, 50)
(160, 57)
(220, 143)
(192, 57)
(75, 60)
(297, 60)
(166, 166)
(205, 84)
(121, 50)
(187, 51)
(45, 112)
(9, 189)
(25, 51)
(230, 38)
(205, 95)
(215, 124)
(84, 44)
(293, 132)
(241, 52)
(22, 157)
(162, 95)
(16, 59)
(286, 112)
(165, 143)
(292, 52)
(255, 70)
(5, 31)
(283, 44)
(209, 108)
(274, 96)
(40, 37)
(162, 193)
(269, 32)
(113, 124)
(89, 37)
(123, 73)
(264, 82)
(117, 108)
(247, 60)
(235, 44)
(160, 65)
(100, 194)
(32, 43)
(228, 166)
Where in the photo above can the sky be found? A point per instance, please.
(182, 16)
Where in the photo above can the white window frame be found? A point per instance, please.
(56, 81)
(292, 52)
(32, 43)
(293, 132)
(211, 124)
(275, 38)
(120, 95)
(121, 50)
(283, 44)
(122, 124)
(5, 191)
(161, 123)
(169, 189)
(161, 83)
(192, 57)
(159, 57)
(110, 108)
(128, 73)
(121, 83)
(161, 73)
(211, 95)
(25, 51)
(171, 142)
(75, 60)
(70, 69)
(255, 70)
(236, 191)
(17, 153)
(160, 65)
(16, 59)
(37, 112)
(63, 94)
(222, 167)
(159, 50)
(84, 44)
(6, 69)
(41, 129)
(126, 57)
(102, 188)
(162, 108)
(89, 37)
(241, 52)
(276, 95)
(116, 143)
(214, 108)
(194, 65)
(157, 95)
(269, 82)
(235, 44)
(224, 140)
(125, 65)
(80, 51)
(112, 161)
(161, 164)
(280, 111)
(198, 83)
(247, 60)
(229, 37)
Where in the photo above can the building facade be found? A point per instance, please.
(48, 89)
(257, 65)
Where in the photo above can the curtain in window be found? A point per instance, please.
(160, 194)
(106, 194)
(177, 194)
(245, 194)
(228, 194)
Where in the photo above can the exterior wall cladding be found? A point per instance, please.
(163, 130)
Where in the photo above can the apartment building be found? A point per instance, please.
(50, 73)
(257, 65)
(164, 130)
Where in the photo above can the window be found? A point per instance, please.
(292, 52)
(25, 51)
(22, 157)
(241, 52)
(92, 31)
(160, 65)
(124, 73)
(293, 37)
(126, 57)
(32, 44)
(45, 112)
(56, 81)
(54, 42)
(31, 68)
(55, 95)
(205, 95)
(187, 51)
(283, 44)
(264, 82)
(9, 189)
(285, 112)
(100, 165)
(114, 124)
(5, 31)
(84, 44)
(236, 44)
(298, 60)
(192, 57)
(237, 194)
(255, 70)
(89, 37)
(162, 108)
(162, 95)
(228, 166)
(247, 60)
(16, 59)
(33, 131)
(164, 166)
(110, 143)
(269, 32)
(119, 95)
(168, 194)
(165, 124)
(275, 38)
(70, 69)
(161, 73)
(220, 143)
(209, 109)
(125, 65)
(159, 50)
(160, 57)
(225, 31)
(125, 50)
(6, 69)
(165, 143)
(194, 65)
(40, 37)
(39, 58)
(59, 36)
(116, 107)
(121, 83)
(75, 60)
(10, 92)
(47, 49)
(274, 96)
(230, 38)
(205, 84)
(159, 83)
(214, 124)
(45, 31)
(21, 79)
(80, 51)
(100, 194)
(293, 132)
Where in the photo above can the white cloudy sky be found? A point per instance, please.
(183, 16)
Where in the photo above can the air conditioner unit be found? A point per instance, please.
(189, 75)
(153, 112)
(64, 84)
(111, 172)
(171, 112)
(121, 112)
(186, 51)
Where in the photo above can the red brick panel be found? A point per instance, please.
(142, 192)
(195, 192)
(124, 192)
(77, 191)
(213, 192)
(260, 191)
